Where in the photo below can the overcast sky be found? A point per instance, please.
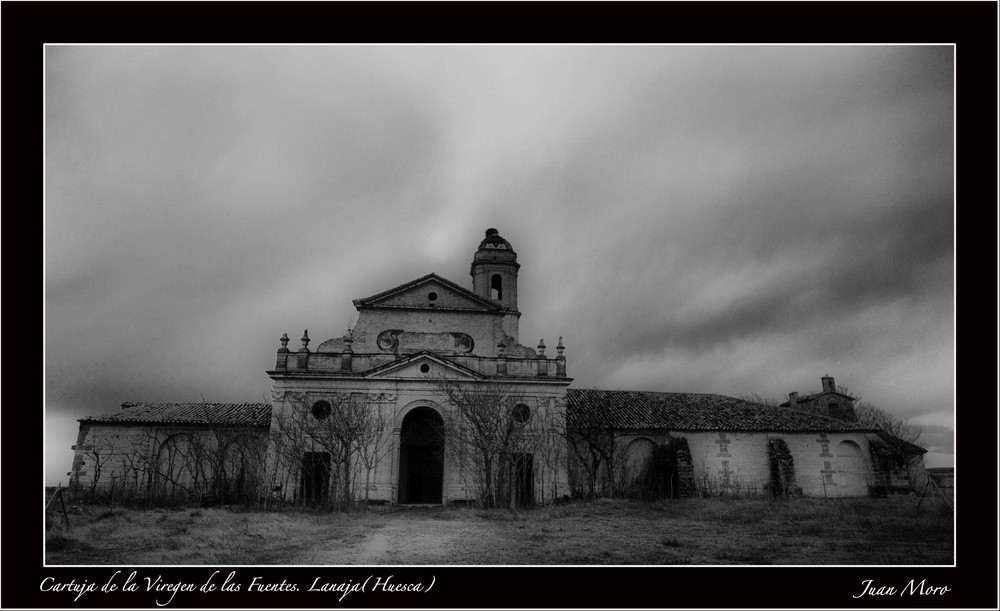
(732, 219)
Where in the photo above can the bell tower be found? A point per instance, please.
(494, 276)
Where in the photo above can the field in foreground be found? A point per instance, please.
(688, 531)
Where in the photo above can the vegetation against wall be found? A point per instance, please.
(501, 441)
(204, 464)
(327, 447)
(782, 468)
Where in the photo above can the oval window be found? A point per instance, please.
(321, 410)
(522, 413)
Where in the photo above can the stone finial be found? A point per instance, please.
(305, 341)
(541, 348)
(349, 341)
(560, 347)
(284, 343)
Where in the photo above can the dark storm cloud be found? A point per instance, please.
(815, 193)
(187, 180)
(706, 219)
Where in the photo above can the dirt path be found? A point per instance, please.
(413, 537)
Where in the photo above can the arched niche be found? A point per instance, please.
(850, 469)
(637, 455)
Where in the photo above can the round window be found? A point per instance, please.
(321, 410)
(425, 368)
(432, 296)
(521, 413)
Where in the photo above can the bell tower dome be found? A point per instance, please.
(494, 270)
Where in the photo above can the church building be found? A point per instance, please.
(430, 398)
(439, 369)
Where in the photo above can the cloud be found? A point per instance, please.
(706, 219)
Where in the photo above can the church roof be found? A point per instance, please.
(899, 445)
(374, 299)
(692, 412)
(241, 414)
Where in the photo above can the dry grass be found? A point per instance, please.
(689, 531)
(202, 536)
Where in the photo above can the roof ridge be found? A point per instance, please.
(699, 411)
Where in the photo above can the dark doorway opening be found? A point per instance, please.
(522, 479)
(421, 457)
(315, 477)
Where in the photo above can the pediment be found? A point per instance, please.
(430, 292)
(423, 366)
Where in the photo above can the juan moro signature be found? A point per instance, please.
(920, 588)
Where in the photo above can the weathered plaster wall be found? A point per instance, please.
(292, 398)
(739, 462)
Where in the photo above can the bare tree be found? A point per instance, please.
(493, 433)
(353, 431)
(289, 444)
(872, 416)
(875, 417)
(372, 444)
(758, 398)
(591, 434)
(99, 455)
(551, 449)
(134, 467)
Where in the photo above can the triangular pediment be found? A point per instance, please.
(423, 366)
(431, 292)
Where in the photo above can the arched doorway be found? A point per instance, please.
(850, 470)
(421, 457)
(637, 456)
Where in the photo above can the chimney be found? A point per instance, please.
(793, 399)
(828, 385)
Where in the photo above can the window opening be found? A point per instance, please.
(496, 287)
(321, 410)
(521, 413)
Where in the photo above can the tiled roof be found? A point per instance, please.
(900, 445)
(692, 412)
(242, 414)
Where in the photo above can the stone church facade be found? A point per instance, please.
(415, 351)
(431, 399)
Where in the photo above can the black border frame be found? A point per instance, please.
(971, 26)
